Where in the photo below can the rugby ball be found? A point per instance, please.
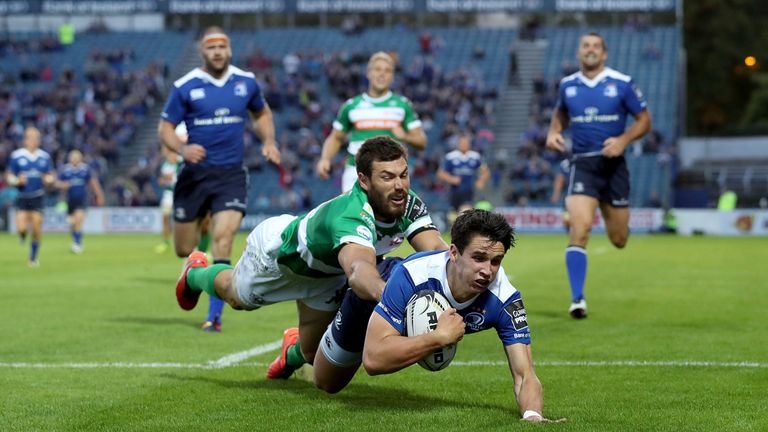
(421, 317)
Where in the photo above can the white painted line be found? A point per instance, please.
(231, 361)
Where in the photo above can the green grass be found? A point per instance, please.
(663, 299)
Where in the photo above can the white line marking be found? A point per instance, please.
(218, 364)
(233, 359)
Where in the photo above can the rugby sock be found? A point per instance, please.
(205, 240)
(293, 356)
(576, 264)
(215, 304)
(202, 278)
(35, 245)
(77, 236)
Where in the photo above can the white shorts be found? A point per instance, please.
(166, 203)
(259, 280)
(348, 178)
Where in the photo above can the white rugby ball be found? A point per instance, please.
(421, 317)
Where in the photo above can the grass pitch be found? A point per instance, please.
(676, 340)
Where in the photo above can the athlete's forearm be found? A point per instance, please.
(641, 126)
(558, 123)
(166, 132)
(331, 146)
(264, 126)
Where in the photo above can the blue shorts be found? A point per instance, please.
(30, 204)
(606, 179)
(200, 190)
(74, 204)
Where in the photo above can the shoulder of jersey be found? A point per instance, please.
(18, 152)
(239, 72)
(569, 78)
(613, 73)
(403, 98)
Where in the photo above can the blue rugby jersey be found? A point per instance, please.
(78, 178)
(465, 165)
(598, 108)
(500, 307)
(34, 166)
(215, 111)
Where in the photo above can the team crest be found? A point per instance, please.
(610, 90)
(241, 89)
(570, 92)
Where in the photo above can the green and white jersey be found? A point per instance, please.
(364, 117)
(171, 168)
(311, 243)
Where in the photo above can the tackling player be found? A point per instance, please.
(30, 171)
(595, 103)
(310, 258)
(375, 112)
(214, 101)
(75, 177)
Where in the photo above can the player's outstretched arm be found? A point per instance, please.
(359, 264)
(386, 351)
(528, 391)
(428, 240)
(97, 191)
(331, 146)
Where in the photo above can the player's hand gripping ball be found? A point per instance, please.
(421, 317)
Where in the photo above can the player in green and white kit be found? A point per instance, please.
(310, 258)
(375, 112)
(169, 169)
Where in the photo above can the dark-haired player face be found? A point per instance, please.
(388, 188)
(477, 267)
(592, 54)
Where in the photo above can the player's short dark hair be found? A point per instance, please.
(483, 223)
(380, 148)
(598, 35)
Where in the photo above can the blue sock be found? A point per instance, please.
(576, 264)
(77, 236)
(216, 305)
(35, 245)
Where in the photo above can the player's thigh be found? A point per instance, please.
(225, 224)
(616, 223)
(581, 211)
(312, 325)
(22, 220)
(330, 377)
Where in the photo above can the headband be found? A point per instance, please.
(215, 37)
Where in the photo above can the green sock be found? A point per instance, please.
(205, 240)
(202, 278)
(294, 358)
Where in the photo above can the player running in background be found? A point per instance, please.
(169, 170)
(310, 258)
(471, 277)
(595, 103)
(375, 112)
(214, 101)
(75, 178)
(464, 170)
(30, 170)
